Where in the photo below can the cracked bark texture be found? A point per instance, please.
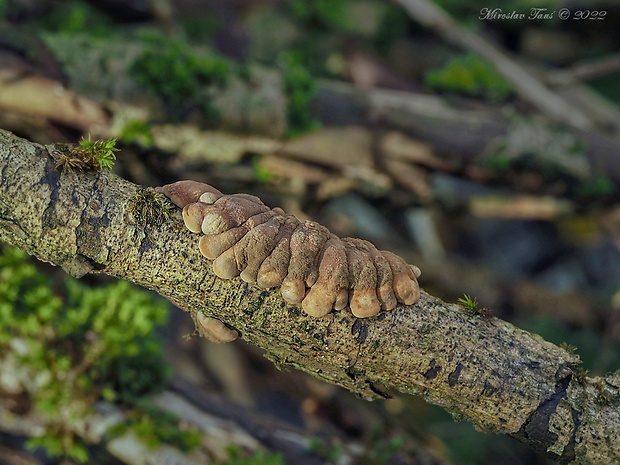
(502, 379)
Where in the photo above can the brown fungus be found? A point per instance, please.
(306, 244)
(214, 330)
(229, 212)
(274, 268)
(363, 299)
(332, 285)
(185, 192)
(315, 268)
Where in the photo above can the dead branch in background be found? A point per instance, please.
(529, 88)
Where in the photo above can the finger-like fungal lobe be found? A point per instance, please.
(313, 267)
(214, 330)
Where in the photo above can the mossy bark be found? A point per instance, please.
(497, 376)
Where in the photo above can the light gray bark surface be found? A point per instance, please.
(503, 379)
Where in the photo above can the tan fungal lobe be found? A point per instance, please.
(293, 290)
(385, 279)
(182, 193)
(314, 268)
(225, 266)
(214, 246)
(274, 268)
(193, 216)
(331, 288)
(405, 283)
(229, 212)
(208, 197)
(363, 298)
(257, 245)
(214, 330)
(307, 243)
(416, 271)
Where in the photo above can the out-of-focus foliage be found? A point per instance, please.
(76, 17)
(608, 86)
(470, 75)
(235, 457)
(79, 344)
(300, 88)
(181, 76)
(154, 427)
(137, 131)
(328, 14)
(553, 152)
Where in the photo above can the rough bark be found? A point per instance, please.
(497, 376)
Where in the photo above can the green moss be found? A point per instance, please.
(60, 444)
(235, 457)
(331, 453)
(80, 343)
(138, 132)
(149, 207)
(571, 349)
(554, 154)
(325, 14)
(393, 26)
(98, 153)
(497, 162)
(202, 28)
(598, 186)
(470, 75)
(300, 88)
(380, 450)
(262, 174)
(71, 18)
(607, 86)
(156, 427)
(180, 76)
(470, 303)
(89, 155)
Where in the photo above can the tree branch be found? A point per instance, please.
(497, 376)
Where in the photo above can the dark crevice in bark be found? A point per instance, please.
(536, 430)
(433, 371)
(51, 178)
(360, 331)
(453, 378)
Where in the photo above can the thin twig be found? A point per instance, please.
(585, 71)
(526, 85)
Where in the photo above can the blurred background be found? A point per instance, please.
(479, 141)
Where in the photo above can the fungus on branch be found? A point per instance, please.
(314, 267)
(214, 330)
